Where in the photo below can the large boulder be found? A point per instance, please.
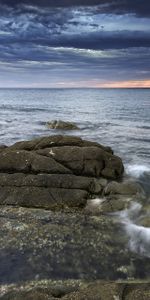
(55, 172)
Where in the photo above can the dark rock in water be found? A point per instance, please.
(55, 172)
(58, 124)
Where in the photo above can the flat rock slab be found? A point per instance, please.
(39, 244)
(77, 290)
(55, 172)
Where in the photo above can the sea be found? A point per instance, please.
(119, 118)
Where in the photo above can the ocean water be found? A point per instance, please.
(115, 117)
(119, 118)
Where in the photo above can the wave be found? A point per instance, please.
(22, 109)
(136, 170)
(139, 239)
(144, 127)
(139, 236)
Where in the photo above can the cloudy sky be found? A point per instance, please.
(74, 43)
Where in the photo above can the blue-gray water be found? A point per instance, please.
(115, 117)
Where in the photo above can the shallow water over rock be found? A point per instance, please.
(38, 244)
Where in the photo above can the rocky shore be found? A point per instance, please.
(57, 199)
(77, 290)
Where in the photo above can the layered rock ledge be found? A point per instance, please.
(55, 172)
(78, 290)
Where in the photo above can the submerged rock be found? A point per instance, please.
(55, 172)
(58, 124)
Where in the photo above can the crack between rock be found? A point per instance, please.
(123, 296)
(44, 187)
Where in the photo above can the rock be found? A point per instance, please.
(2, 147)
(28, 162)
(145, 221)
(87, 161)
(58, 124)
(124, 188)
(103, 182)
(65, 181)
(50, 191)
(56, 141)
(79, 290)
(35, 243)
(55, 172)
(104, 205)
(48, 198)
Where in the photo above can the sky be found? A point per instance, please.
(74, 43)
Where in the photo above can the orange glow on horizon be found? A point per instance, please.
(106, 84)
(125, 84)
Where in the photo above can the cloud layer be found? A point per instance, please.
(73, 43)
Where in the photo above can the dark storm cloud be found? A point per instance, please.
(75, 39)
(70, 28)
(95, 41)
(139, 7)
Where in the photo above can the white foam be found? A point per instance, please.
(128, 215)
(139, 236)
(95, 202)
(137, 170)
(139, 239)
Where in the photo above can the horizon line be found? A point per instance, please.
(100, 88)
